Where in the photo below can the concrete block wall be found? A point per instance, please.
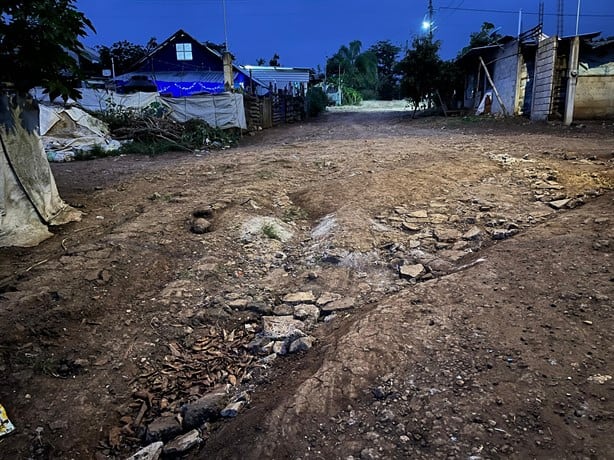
(505, 77)
(544, 76)
(594, 97)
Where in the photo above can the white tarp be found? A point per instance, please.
(66, 131)
(29, 199)
(223, 110)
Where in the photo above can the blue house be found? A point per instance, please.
(182, 66)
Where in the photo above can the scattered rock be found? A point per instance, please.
(301, 344)
(600, 379)
(410, 227)
(420, 214)
(559, 204)
(306, 312)
(283, 310)
(327, 297)
(502, 233)
(182, 444)
(299, 297)
(472, 234)
(412, 271)
(239, 303)
(200, 225)
(162, 429)
(151, 452)
(204, 409)
(281, 327)
(233, 409)
(341, 304)
(447, 235)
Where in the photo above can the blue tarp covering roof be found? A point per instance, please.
(182, 84)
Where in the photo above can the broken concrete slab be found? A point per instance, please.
(472, 234)
(345, 303)
(412, 271)
(307, 312)
(301, 344)
(327, 297)
(296, 298)
(447, 235)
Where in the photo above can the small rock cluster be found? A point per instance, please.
(173, 435)
(286, 330)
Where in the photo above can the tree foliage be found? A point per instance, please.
(38, 42)
(274, 61)
(420, 69)
(487, 35)
(358, 70)
(124, 54)
(386, 54)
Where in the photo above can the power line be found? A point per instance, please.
(524, 12)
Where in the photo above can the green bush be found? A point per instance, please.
(317, 100)
(350, 96)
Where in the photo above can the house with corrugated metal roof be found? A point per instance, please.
(183, 66)
(293, 80)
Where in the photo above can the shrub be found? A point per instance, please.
(350, 96)
(316, 101)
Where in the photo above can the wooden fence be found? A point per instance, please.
(264, 112)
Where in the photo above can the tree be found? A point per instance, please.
(36, 41)
(487, 35)
(260, 61)
(356, 70)
(421, 70)
(386, 54)
(123, 54)
(274, 62)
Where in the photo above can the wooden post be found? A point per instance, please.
(492, 83)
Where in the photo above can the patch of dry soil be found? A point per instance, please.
(128, 316)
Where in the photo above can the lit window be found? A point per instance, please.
(184, 51)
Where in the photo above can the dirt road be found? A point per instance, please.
(457, 274)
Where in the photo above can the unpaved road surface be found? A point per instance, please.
(461, 269)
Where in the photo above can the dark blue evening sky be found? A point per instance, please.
(305, 32)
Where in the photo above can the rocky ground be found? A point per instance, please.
(361, 286)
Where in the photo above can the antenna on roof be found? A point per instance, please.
(540, 20)
(225, 26)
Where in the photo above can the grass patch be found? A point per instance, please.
(271, 231)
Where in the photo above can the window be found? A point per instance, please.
(184, 51)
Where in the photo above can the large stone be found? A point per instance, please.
(233, 409)
(412, 271)
(447, 235)
(301, 344)
(182, 444)
(472, 234)
(345, 303)
(150, 452)
(410, 227)
(420, 214)
(281, 327)
(200, 225)
(162, 429)
(296, 298)
(203, 410)
(306, 312)
(327, 297)
(559, 204)
(283, 310)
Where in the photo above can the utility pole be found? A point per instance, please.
(431, 20)
(225, 26)
(559, 25)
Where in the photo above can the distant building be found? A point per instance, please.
(182, 66)
(293, 80)
(533, 76)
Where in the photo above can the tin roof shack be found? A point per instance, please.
(182, 66)
(491, 75)
(293, 80)
(594, 96)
